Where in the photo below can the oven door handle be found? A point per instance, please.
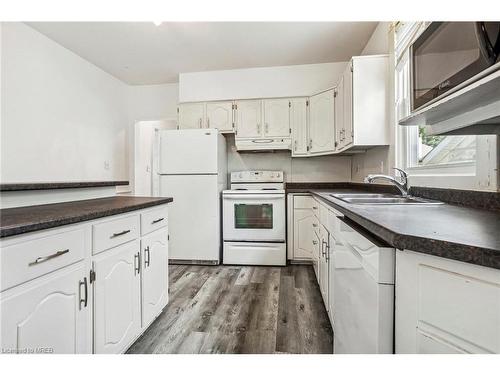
(239, 197)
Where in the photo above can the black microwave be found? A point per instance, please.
(450, 55)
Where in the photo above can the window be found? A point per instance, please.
(460, 162)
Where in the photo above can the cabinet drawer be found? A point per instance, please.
(112, 233)
(154, 219)
(36, 257)
(303, 201)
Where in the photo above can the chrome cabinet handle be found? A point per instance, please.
(83, 300)
(157, 220)
(323, 250)
(48, 257)
(137, 263)
(258, 128)
(310, 144)
(146, 261)
(315, 207)
(267, 128)
(200, 124)
(120, 233)
(208, 122)
(295, 145)
(315, 242)
(315, 225)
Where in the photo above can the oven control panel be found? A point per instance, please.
(257, 176)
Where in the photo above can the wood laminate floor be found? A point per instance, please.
(239, 309)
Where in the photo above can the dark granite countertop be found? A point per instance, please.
(19, 186)
(20, 220)
(450, 231)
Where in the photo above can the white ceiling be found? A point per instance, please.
(141, 53)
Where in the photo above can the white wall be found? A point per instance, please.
(280, 81)
(317, 169)
(153, 102)
(378, 159)
(62, 117)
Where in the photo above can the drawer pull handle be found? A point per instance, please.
(315, 242)
(48, 257)
(137, 263)
(120, 233)
(84, 300)
(315, 207)
(148, 258)
(157, 220)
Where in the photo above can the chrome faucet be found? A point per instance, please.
(401, 185)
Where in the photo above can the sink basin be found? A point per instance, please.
(382, 199)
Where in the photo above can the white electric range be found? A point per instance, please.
(254, 219)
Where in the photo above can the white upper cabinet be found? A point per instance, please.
(154, 274)
(322, 123)
(363, 97)
(248, 119)
(298, 124)
(53, 314)
(220, 116)
(191, 116)
(276, 117)
(117, 296)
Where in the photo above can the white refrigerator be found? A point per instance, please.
(192, 168)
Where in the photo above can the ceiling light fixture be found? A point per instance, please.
(157, 23)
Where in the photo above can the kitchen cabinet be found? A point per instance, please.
(191, 116)
(117, 298)
(248, 118)
(154, 247)
(299, 126)
(323, 264)
(48, 315)
(315, 256)
(363, 97)
(322, 123)
(277, 117)
(445, 306)
(220, 116)
(302, 234)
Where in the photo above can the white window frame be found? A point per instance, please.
(481, 174)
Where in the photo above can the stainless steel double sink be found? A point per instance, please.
(364, 198)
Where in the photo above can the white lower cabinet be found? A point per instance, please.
(65, 299)
(117, 298)
(302, 234)
(154, 275)
(446, 306)
(48, 315)
(323, 264)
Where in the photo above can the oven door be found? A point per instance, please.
(254, 217)
(450, 55)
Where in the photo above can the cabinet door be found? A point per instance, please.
(324, 265)
(347, 136)
(220, 116)
(298, 124)
(315, 255)
(117, 298)
(446, 306)
(154, 274)
(48, 315)
(249, 118)
(339, 114)
(322, 124)
(277, 117)
(192, 116)
(331, 270)
(302, 234)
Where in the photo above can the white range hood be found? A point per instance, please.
(270, 144)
